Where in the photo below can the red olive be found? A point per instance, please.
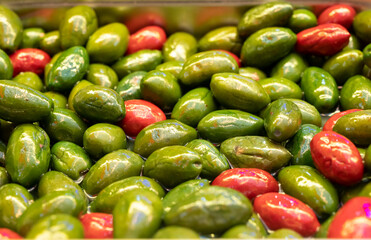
(330, 123)
(151, 37)
(336, 157)
(279, 210)
(140, 114)
(324, 40)
(29, 60)
(353, 220)
(97, 225)
(8, 234)
(143, 19)
(249, 181)
(342, 14)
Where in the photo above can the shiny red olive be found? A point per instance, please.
(151, 37)
(29, 60)
(330, 123)
(249, 181)
(324, 40)
(97, 225)
(353, 220)
(336, 157)
(144, 19)
(238, 60)
(8, 234)
(342, 14)
(279, 210)
(140, 114)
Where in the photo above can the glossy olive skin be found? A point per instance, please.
(251, 182)
(78, 86)
(109, 196)
(52, 203)
(225, 38)
(161, 88)
(352, 220)
(337, 158)
(362, 26)
(59, 100)
(31, 37)
(342, 14)
(254, 228)
(108, 43)
(221, 125)
(280, 210)
(309, 113)
(290, 67)
(103, 75)
(4, 177)
(252, 72)
(140, 114)
(330, 123)
(69, 68)
(173, 67)
(148, 37)
(263, 16)
(213, 163)
(179, 46)
(6, 66)
(143, 60)
(356, 127)
(222, 209)
(322, 40)
(51, 42)
(102, 138)
(16, 107)
(255, 152)
(29, 79)
(283, 120)
(10, 30)
(285, 233)
(28, 154)
(353, 43)
(239, 92)
(112, 167)
(99, 104)
(193, 106)
(308, 185)
(70, 159)
(137, 215)
(174, 232)
(97, 225)
(173, 165)
(320, 89)
(14, 200)
(367, 55)
(200, 67)
(64, 125)
(54, 181)
(77, 25)
(302, 19)
(55, 226)
(344, 65)
(185, 190)
(274, 43)
(299, 145)
(278, 87)
(129, 86)
(161, 134)
(356, 93)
